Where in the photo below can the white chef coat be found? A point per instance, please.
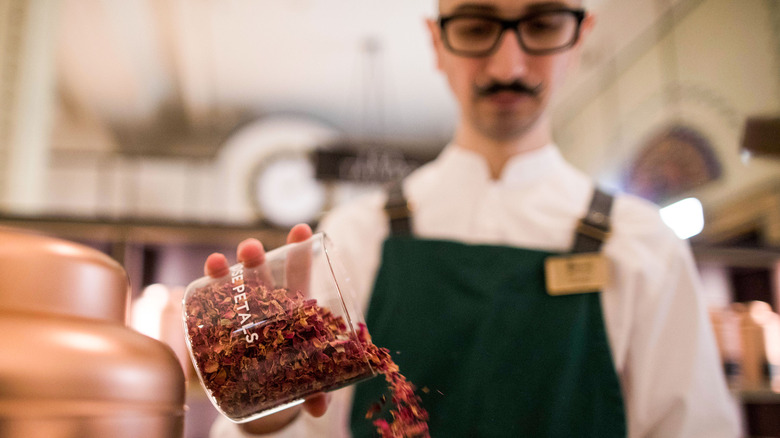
(661, 341)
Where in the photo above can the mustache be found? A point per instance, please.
(513, 87)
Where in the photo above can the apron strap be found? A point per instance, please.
(594, 228)
(398, 211)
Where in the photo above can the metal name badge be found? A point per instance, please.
(576, 273)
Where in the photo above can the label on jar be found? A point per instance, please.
(242, 304)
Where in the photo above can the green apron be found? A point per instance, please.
(491, 353)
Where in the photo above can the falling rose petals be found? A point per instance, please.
(409, 419)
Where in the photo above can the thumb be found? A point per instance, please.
(317, 404)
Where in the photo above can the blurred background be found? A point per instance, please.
(159, 131)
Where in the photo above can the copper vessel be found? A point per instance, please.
(69, 365)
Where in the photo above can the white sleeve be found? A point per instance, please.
(674, 384)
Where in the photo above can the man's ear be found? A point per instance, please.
(435, 35)
(587, 27)
(585, 30)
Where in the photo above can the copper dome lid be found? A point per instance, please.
(45, 275)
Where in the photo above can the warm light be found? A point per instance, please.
(685, 217)
(147, 310)
(84, 341)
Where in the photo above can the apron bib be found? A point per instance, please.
(491, 353)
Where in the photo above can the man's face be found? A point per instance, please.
(503, 115)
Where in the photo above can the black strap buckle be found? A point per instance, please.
(594, 228)
(398, 211)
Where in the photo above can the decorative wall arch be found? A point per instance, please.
(675, 160)
(681, 113)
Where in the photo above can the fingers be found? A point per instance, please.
(299, 233)
(272, 423)
(251, 253)
(298, 263)
(317, 404)
(216, 266)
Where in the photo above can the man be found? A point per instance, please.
(456, 288)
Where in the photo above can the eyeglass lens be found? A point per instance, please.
(539, 33)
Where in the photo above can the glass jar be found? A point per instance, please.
(264, 338)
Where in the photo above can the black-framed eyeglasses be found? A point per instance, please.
(538, 33)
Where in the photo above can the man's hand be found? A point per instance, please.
(251, 253)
